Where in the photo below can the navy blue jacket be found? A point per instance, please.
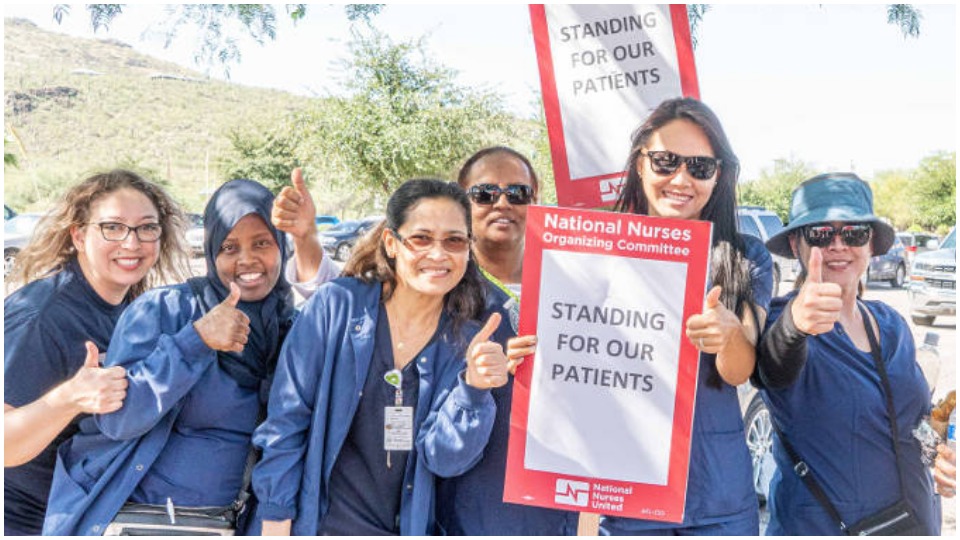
(318, 384)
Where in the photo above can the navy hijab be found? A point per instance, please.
(271, 316)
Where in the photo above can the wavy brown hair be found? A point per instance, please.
(51, 247)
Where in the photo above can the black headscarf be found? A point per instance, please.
(270, 317)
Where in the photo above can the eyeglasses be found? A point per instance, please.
(821, 236)
(518, 194)
(420, 242)
(118, 232)
(664, 162)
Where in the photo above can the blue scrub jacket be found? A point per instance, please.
(318, 385)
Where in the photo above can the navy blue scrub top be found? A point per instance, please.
(720, 479)
(203, 461)
(365, 492)
(45, 324)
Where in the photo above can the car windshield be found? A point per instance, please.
(950, 242)
(21, 224)
(772, 224)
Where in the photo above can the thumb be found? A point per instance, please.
(815, 266)
(234, 297)
(93, 355)
(713, 298)
(488, 329)
(298, 182)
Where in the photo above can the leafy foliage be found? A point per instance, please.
(405, 117)
(774, 186)
(221, 26)
(936, 191)
(906, 17)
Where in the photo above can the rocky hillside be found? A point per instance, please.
(74, 105)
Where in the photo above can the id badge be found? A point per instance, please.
(398, 428)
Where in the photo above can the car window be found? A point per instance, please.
(950, 242)
(771, 224)
(905, 238)
(748, 226)
(345, 226)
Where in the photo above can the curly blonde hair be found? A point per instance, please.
(51, 247)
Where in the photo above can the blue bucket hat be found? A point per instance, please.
(832, 197)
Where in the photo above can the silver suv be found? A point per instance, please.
(762, 223)
(933, 282)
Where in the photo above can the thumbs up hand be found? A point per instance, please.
(97, 390)
(293, 210)
(817, 307)
(711, 330)
(486, 363)
(225, 328)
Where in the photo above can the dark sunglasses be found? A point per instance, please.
(664, 162)
(419, 242)
(489, 193)
(821, 236)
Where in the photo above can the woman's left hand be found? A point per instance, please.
(486, 363)
(711, 330)
(945, 471)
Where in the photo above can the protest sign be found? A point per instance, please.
(603, 69)
(602, 413)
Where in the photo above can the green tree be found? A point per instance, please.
(894, 197)
(267, 158)
(935, 188)
(405, 117)
(219, 25)
(774, 186)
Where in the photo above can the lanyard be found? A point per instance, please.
(500, 285)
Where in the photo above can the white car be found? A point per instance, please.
(17, 232)
(933, 282)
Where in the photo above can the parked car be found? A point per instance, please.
(325, 222)
(933, 282)
(195, 234)
(340, 239)
(918, 242)
(17, 232)
(758, 430)
(762, 223)
(890, 267)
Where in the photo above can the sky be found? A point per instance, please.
(832, 85)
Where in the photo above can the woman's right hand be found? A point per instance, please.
(519, 348)
(945, 471)
(225, 328)
(817, 307)
(97, 390)
(486, 363)
(276, 528)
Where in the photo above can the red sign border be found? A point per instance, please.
(585, 192)
(537, 488)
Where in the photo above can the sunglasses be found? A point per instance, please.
(419, 242)
(518, 194)
(664, 162)
(821, 236)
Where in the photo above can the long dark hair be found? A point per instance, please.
(729, 266)
(370, 263)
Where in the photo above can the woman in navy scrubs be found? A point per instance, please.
(501, 183)
(110, 238)
(198, 357)
(819, 378)
(681, 166)
(384, 381)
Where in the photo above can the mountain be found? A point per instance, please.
(73, 106)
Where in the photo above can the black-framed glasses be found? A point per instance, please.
(518, 194)
(853, 235)
(118, 232)
(666, 162)
(420, 242)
